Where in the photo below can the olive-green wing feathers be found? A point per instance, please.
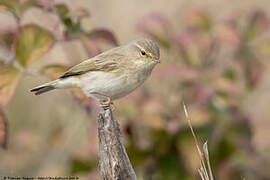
(103, 62)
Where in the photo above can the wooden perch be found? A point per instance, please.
(114, 163)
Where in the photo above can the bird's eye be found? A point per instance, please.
(143, 53)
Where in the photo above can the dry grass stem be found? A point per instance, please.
(205, 170)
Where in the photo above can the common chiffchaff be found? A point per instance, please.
(110, 75)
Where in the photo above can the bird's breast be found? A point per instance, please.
(113, 85)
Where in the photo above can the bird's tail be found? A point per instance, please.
(44, 88)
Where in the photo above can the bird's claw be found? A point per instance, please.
(107, 104)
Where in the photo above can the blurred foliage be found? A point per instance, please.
(212, 66)
(3, 130)
(216, 66)
(10, 76)
(29, 42)
(33, 42)
(17, 7)
(79, 166)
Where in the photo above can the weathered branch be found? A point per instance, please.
(114, 163)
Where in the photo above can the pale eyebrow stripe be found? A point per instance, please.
(141, 48)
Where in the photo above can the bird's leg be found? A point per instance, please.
(106, 102)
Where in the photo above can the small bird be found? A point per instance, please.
(110, 75)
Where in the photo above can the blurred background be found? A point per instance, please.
(215, 58)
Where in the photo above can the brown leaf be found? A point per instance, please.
(3, 130)
(91, 46)
(103, 34)
(98, 40)
(81, 12)
(54, 71)
(32, 43)
(6, 39)
(8, 82)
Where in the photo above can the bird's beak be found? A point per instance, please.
(157, 60)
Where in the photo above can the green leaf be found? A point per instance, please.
(65, 15)
(3, 130)
(16, 7)
(11, 5)
(32, 43)
(79, 166)
(27, 5)
(62, 10)
(170, 166)
(8, 82)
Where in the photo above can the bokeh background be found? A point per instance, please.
(215, 58)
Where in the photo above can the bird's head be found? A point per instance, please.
(145, 50)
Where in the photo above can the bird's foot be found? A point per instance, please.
(107, 103)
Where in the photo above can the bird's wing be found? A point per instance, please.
(103, 62)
